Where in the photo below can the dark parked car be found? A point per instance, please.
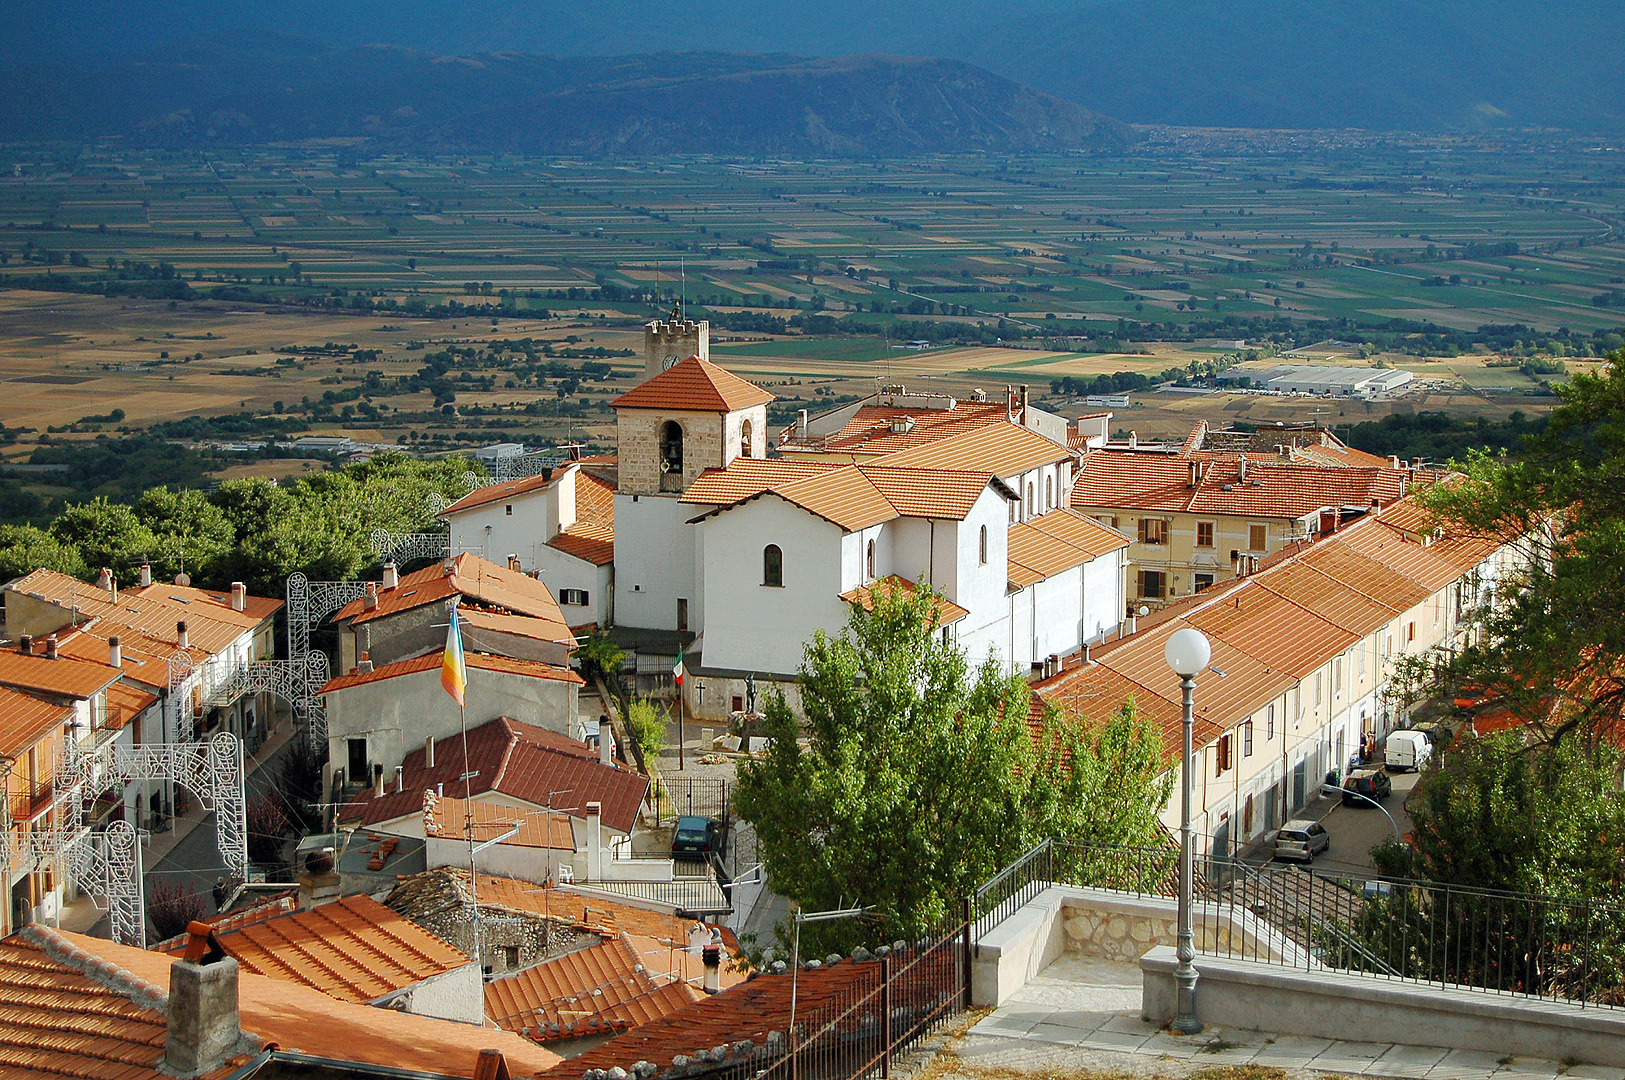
(698, 837)
(1302, 840)
(1372, 783)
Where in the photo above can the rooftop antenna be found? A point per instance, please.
(682, 278)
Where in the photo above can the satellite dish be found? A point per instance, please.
(1144, 610)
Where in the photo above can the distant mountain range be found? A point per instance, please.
(273, 88)
(1379, 64)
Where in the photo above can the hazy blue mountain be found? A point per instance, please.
(1419, 64)
(253, 87)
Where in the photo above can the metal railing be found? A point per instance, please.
(1555, 948)
(848, 1029)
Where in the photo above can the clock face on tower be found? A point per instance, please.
(669, 361)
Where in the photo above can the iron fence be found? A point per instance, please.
(1560, 949)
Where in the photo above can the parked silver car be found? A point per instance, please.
(1302, 840)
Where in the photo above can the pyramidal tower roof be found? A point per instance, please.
(694, 385)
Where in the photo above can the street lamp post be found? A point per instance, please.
(1188, 653)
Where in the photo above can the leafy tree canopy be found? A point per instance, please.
(1552, 644)
(920, 778)
(1506, 815)
(25, 547)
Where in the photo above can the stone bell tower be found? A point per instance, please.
(666, 341)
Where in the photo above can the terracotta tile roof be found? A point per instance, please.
(353, 949)
(518, 625)
(291, 1015)
(851, 496)
(869, 431)
(516, 760)
(426, 893)
(1043, 546)
(56, 1020)
(587, 541)
(1391, 547)
(217, 604)
(1093, 694)
(595, 500)
(1365, 576)
(126, 702)
(471, 660)
(1002, 448)
(473, 578)
(612, 986)
(62, 677)
(146, 618)
(749, 1011)
(148, 669)
(747, 477)
(1271, 628)
(25, 720)
(1121, 480)
(446, 816)
(893, 585)
(490, 493)
(1297, 580)
(694, 385)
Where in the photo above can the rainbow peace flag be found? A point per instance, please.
(453, 675)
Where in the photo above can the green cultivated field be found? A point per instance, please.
(1193, 246)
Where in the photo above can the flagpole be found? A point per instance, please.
(680, 765)
(454, 678)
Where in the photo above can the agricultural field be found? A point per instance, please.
(456, 300)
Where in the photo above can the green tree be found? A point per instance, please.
(106, 534)
(1551, 645)
(921, 778)
(191, 532)
(24, 548)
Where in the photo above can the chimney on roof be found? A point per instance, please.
(378, 779)
(491, 1065)
(428, 752)
(575, 451)
(319, 880)
(595, 841)
(978, 394)
(1416, 463)
(369, 597)
(239, 596)
(1283, 453)
(448, 568)
(181, 639)
(1023, 419)
(202, 1026)
(50, 647)
(1376, 507)
(146, 568)
(392, 576)
(1241, 467)
(606, 742)
(1196, 474)
(1394, 462)
(1133, 440)
(115, 653)
(104, 580)
(25, 644)
(711, 955)
(801, 425)
(400, 782)
(364, 665)
(513, 563)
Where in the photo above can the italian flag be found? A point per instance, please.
(677, 668)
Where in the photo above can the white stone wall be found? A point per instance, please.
(761, 627)
(654, 561)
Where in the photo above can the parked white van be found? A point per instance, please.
(1406, 750)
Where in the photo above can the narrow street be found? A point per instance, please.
(1358, 827)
